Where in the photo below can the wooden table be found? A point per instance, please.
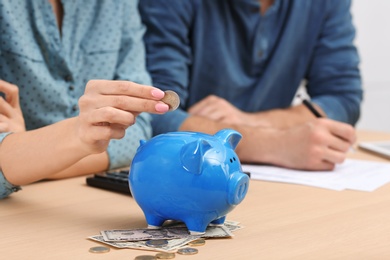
(52, 220)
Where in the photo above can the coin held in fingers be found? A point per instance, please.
(172, 99)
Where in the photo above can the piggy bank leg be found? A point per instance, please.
(153, 221)
(196, 225)
(218, 221)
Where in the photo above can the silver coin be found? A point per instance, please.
(165, 255)
(187, 251)
(99, 249)
(172, 99)
(156, 243)
(145, 257)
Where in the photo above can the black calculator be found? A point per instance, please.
(113, 180)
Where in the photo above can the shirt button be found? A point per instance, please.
(75, 108)
(68, 78)
(260, 53)
(71, 88)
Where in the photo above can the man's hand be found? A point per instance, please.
(220, 110)
(315, 145)
(11, 116)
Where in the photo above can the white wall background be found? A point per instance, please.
(372, 18)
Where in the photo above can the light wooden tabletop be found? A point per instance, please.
(52, 220)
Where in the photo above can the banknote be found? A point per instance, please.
(171, 232)
(173, 244)
(174, 232)
(230, 224)
(233, 225)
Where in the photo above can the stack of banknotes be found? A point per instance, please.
(175, 234)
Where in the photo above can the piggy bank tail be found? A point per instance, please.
(141, 143)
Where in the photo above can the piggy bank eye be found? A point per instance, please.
(232, 159)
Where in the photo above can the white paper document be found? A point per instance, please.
(352, 174)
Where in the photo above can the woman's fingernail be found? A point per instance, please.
(161, 107)
(157, 93)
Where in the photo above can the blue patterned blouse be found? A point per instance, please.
(99, 39)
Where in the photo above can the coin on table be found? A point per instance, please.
(165, 255)
(198, 242)
(99, 249)
(187, 251)
(156, 243)
(145, 257)
(172, 99)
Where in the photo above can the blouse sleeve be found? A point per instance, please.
(6, 188)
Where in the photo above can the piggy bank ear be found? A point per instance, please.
(192, 155)
(229, 137)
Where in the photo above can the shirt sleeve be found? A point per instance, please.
(131, 66)
(333, 77)
(6, 188)
(168, 54)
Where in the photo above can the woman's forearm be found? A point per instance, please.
(34, 155)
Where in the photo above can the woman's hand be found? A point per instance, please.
(109, 107)
(11, 116)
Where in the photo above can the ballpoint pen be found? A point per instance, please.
(311, 107)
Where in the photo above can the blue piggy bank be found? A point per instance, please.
(187, 176)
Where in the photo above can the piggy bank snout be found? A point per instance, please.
(238, 187)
